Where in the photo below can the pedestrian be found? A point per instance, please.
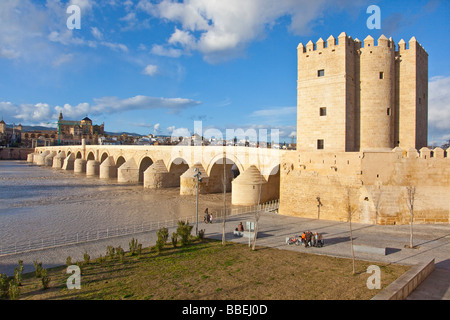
(210, 218)
(308, 238)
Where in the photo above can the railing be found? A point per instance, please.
(87, 236)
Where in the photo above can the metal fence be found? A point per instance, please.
(118, 231)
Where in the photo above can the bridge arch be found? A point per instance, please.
(176, 168)
(79, 155)
(104, 156)
(145, 162)
(120, 161)
(216, 173)
(91, 156)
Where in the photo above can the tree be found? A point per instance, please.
(257, 215)
(350, 211)
(224, 198)
(410, 196)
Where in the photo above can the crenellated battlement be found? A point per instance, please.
(356, 44)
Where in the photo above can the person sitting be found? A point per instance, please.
(303, 237)
(308, 237)
(319, 240)
(314, 240)
(240, 227)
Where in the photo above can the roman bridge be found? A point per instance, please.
(252, 174)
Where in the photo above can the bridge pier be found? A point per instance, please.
(68, 163)
(48, 160)
(108, 169)
(92, 168)
(79, 166)
(247, 188)
(128, 172)
(156, 176)
(58, 160)
(188, 182)
(40, 159)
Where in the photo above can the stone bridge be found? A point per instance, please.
(252, 174)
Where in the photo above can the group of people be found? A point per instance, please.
(208, 217)
(309, 239)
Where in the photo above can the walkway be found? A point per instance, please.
(433, 241)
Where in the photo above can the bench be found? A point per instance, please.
(368, 249)
(246, 234)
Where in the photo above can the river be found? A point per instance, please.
(40, 202)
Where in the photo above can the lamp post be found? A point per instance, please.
(199, 179)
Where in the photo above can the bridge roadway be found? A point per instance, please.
(175, 166)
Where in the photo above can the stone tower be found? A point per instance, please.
(354, 96)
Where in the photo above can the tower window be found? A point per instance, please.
(321, 73)
(323, 112)
(381, 75)
(388, 111)
(320, 144)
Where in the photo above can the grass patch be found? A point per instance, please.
(207, 270)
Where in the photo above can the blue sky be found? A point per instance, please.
(154, 66)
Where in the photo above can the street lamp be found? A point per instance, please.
(199, 179)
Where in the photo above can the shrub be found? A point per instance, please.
(17, 277)
(69, 261)
(110, 251)
(38, 268)
(45, 279)
(184, 231)
(13, 291)
(139, 249)
(4, 286)
(174, 239)
(101, 259)
(20, 270)
(201, 234)
(120, 253)
(133, 246)
(86, 258)
(163, 234)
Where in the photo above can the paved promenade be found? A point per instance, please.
(433, 241)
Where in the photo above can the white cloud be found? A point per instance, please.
(156, 128)
(150, 70)
(96, 33)
(439, 110)
(43, 112)
(64, 58)
(438, 103)
(225, 28)
(160, 50)
(275, 112)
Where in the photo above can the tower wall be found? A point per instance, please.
(332, 91)
(377, 81)
(412, 79)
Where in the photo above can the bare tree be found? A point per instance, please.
(257, 215)
(350, 211)
(319, 204)
(224, 198)
(411, 194)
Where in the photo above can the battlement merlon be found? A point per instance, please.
(357, 44)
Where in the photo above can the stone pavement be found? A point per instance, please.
(433, 241)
